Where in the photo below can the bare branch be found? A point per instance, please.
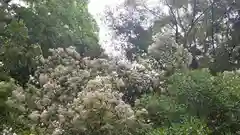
(198, 18)
(180, 22)
(152, 12)
(157, 15)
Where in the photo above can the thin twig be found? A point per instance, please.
(197, 19)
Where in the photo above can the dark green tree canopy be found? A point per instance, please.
(44, 25)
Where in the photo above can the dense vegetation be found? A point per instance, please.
(182, 75)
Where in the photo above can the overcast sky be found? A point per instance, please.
(96, 8)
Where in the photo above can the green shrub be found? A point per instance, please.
(162, 110)
(194, 89)
(199, 94)
(20, 59)
(215, 99)
(190, 93)
(5, 90)
(189, 126)
(228, 87)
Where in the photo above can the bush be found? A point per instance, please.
(189, 93)
(227, 85)
(6, 88)
(196, 90)
(19, 57)
(198, 94)
(162, 110)
(74, 95)
(215, 99)
(189, 126)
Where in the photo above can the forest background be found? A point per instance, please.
(174, 70)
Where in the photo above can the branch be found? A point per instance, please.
(156, 14)
(197, 19)
(171, 10)
(176, 17)
(194, 15)
(152, 12)
(176, 21)
(180, 22)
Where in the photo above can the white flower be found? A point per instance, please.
(44, 115)
(61, 118)
(46, 101)
(137, 102)
(57, 132)
(43, 79)
(85, 73)
(1, 64)
(70, 50)
(120, 83)
(21, 108)
(77, 55)
(52, 108)
(34, 116)
(74, 88)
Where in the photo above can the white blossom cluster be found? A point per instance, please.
(7, 131)
(168, 52)
(1, 64)
(74, 95)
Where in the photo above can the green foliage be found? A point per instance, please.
(71, 94)
(162, 110)
(189, 126)
(209, 29)
(189, 93)
(28, 32)
(5, 91)
(19, 58)
(214, 100)
(6, 88)
(227, 85)
(60, 23)
(194, 89)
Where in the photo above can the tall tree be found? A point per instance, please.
(206, 28)
(130, 23)
(60, 23)
(27, 32)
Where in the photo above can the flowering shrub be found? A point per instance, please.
(168, 52)
(74, 95)
(7, 131)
